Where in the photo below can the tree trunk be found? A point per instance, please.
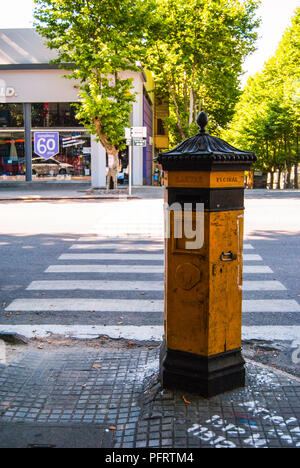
(113, 158)
(279, 177)
(296, 180)
(191, 111)
(179, 126)
(271, 180)
(113, 167)
(288, 176)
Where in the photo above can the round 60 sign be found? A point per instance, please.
(46, 144)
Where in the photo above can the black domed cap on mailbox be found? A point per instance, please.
(205, 152)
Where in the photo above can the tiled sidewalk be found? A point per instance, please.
(112, 399)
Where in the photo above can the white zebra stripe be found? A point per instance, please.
(85, 305)
(125, 239)
(136, 305)
(106, 285)
(271, 305)
(251, 269)
(123, 247)
(100, 285)
(256, 269)
(112, 256)
(105, 269)
(252, 257)
(263, 286)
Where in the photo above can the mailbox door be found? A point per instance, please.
(225, 294)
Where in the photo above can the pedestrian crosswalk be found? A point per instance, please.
(119, 283)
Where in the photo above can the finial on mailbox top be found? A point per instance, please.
(202, 121)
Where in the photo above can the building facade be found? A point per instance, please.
(28, 81)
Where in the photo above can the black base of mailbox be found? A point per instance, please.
(206, 376)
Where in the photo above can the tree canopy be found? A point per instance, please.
(100, 40)
(196, 50)
(266, 118)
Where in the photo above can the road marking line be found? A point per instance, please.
(143, 332)
(134, 269)
(252, 257)
(105, 269)
(125, 239)
(86, 304)
(116, 247)
(271, 305)
(256, 269)
(112, 256)
(136, 305)
(101, 285)
(106, 285)
(271, 332)
(129, 247)
(263, 286)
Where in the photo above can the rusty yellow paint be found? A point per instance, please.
(204, 179)
(203, 297)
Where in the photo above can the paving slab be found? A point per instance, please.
(59, 397)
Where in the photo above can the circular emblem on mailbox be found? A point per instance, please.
(187, 276)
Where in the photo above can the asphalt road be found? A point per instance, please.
(37, 238)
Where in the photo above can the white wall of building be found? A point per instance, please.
(38, 86)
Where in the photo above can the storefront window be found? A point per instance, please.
(11, 115)
(53, 114)
(72, 163)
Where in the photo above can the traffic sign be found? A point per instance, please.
(136, 132)
(139, 142)
(139, 132)
(46, 144)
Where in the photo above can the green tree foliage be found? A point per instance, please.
(195, 50)
(266, 118)
(101, 39)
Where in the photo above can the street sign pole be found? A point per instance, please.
(130, 167)
(135, 136)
